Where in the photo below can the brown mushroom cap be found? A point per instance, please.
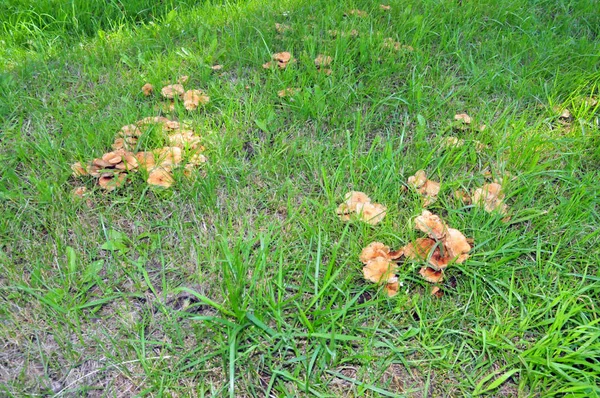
(431, 224)
(112, 158)
(282, 57)
(323, 60)
(147, 89)
(172, 90)
(379, 270)
(431, 275)
(193, 98)
(160, 176)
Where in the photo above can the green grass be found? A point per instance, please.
(243, 281)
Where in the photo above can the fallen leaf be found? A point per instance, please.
(379, 270)
(193, 98)
(385, 7)
(431, 275)
(463, 117)
(216, 67)
(147, 89)
(437, 292)
(173, 90)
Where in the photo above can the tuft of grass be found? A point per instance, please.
(242, 281)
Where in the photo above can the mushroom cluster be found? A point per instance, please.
(490, 197)
(356, 12)
(392, 44)
(443, 246)
(358, 205)
(281, 60)
(288, 92)
(322, 62)
(112, 169)
(380, 266)
(351, 34)
(428, 189)
(192, 99)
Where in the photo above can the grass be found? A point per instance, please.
(243, 281)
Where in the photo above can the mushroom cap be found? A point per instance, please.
(431, 224)
(147, 89)
(172, 90)
(431, 275)
(379, 270)
(193, 98)
(282, 57)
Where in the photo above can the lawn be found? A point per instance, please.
(241, 279)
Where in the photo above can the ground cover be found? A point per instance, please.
(243, 275)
